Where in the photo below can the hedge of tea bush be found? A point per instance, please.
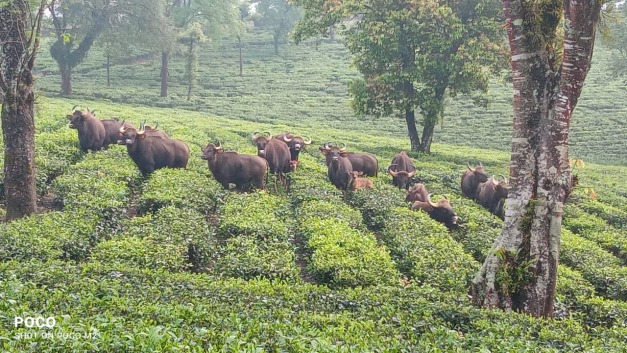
(52, 235)
(423, 248)
(611, 214)
(598, 266)
(181, 188)
(596, 229)
(254, 238)
(375, 204)
(172, 239)
(138, 310)
(341, 256)
(54, 153)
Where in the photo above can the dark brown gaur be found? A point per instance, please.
(91, 131)
(471, 180)
(440, 211)
(277, 154)
(492, 195)
(152, 151)
(294, 142)
(243, 170)
(340, 168)
(363, 162)
(401, 170)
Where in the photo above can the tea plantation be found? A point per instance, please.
(174, 263)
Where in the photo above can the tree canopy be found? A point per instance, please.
(412, 53)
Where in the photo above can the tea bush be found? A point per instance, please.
(375, 204)
(343, 256)
(596, 229)
(180, 188)
(142, 253)
(599, 267)
(422, 248)
(325, 209)
(258, 214)
(53, 235)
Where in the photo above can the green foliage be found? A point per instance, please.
(257, 214)
(182, 188)
(423, 249)
(325, 209)
(375, 204)
(279, 16)
(342, 256)
(599, 267)
(54, 235)
(411, 53)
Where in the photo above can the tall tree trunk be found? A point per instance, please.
(432, 116)
(427, 137)
(190, 82)
(66, 80)
(108, 69)
(241, 61)
(165, 73)
(20, 38)
(276, 44)
(521, 270)
(414, 139)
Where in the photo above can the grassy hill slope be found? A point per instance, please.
(173, 263)
(306, 86)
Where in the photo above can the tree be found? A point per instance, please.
(280, 17)
(215, 17)
(77, 24)
(141, 25)
(617, 41)
(19, 41)
(193, 37)
(551, 44)
(412, 53)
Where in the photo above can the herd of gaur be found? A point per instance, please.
(152, 149)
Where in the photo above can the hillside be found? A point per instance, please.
(173, 263)
(306, 86)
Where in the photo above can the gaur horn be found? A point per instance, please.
(391, 172)
(343, 149)
(286, 139)
(306, 140)
(431, 202)
(412, 173)
(218, 146)
(74, 108)
(327, 145)
(503, 178)
(254, 136)
(268, 134)
(480, 164)
(469, 168)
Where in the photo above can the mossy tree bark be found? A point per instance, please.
(19, 35)
(520, 273)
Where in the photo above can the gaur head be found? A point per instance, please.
(77, 118)
(130, 135)
(442, 211)
(261, 140)
(478, 172)
(402, 176)
(501, 187)
(334, 152)
(296, 142)
(210, 151)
